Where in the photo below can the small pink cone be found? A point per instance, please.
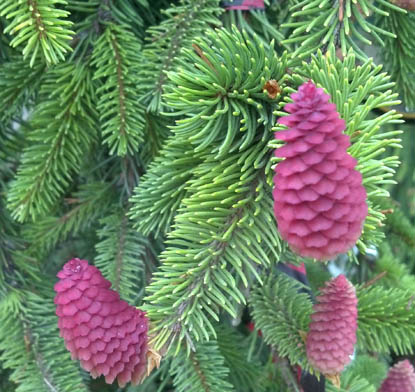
(400, 378)
(332, 331)
(106, 334)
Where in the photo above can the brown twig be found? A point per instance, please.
(341, 10)
(374, 280)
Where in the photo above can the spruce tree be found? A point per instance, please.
(142, 136)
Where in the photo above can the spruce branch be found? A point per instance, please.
(386, 320)
(83, 209)
(39, 25)
(201, 371)
(397, 274)
(47, 346)
(63, 131)
(12, 144)
(18, 84)
(245, 375)
(281, 312)
(116, 59)
(398, 224)
(30, 342)
(367, 367)
(321, 24)
(157, 133)
(120, 256)
(220, 102)
(163, 187)
(161, 54)
(223, 231)
(399, 53)
(351, 383)
(254, 22)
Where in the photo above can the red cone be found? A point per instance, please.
(332, 333)
(105, 333)
(401, 378)
(319, 200)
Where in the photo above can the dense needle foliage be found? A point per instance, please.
(139, 135)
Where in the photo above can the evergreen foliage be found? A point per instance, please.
(39, 359)
(40, 26)
(18, 84)
(159, 195)
(351, 384)
(219, 97)
(202, 370)
(140, 135)
(369, 368)
(386, 320)
(116, 58)
(317, 24)
(62, 134)
(399, 54)
(245, 375)
(184, 22)
(86, 205)
(282, 313)
(206, 256)
(120, 256)
(397, 274)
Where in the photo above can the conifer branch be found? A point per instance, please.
(350, 382)
(281, 311)
(41, 26)
(219, 102)
(156, 200)
(232, 232)
(399, 53)
(322, 24)
(397, 274)
(86, 206)
(244, 374)
(398, 224)
(386, 320)
(40, 362)
(29, 341)
(18, 84)
(64, 118)
(121, 254)
(116, 59)
(201, 371)
(186, 21)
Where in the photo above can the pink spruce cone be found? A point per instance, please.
(332, 333)
(320, 202)
(401, 378)
(105, 333)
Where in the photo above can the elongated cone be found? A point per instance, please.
(332, 332)
(319, 200)
(400, 378)
(105, 333)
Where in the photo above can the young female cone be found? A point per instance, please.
(400, 378)
(319, 200)
(104, 332)
(332, 331)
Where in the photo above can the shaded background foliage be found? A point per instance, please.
(139, 135)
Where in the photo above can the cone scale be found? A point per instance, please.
(106, 334)
(332, 331)
(319, 200)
